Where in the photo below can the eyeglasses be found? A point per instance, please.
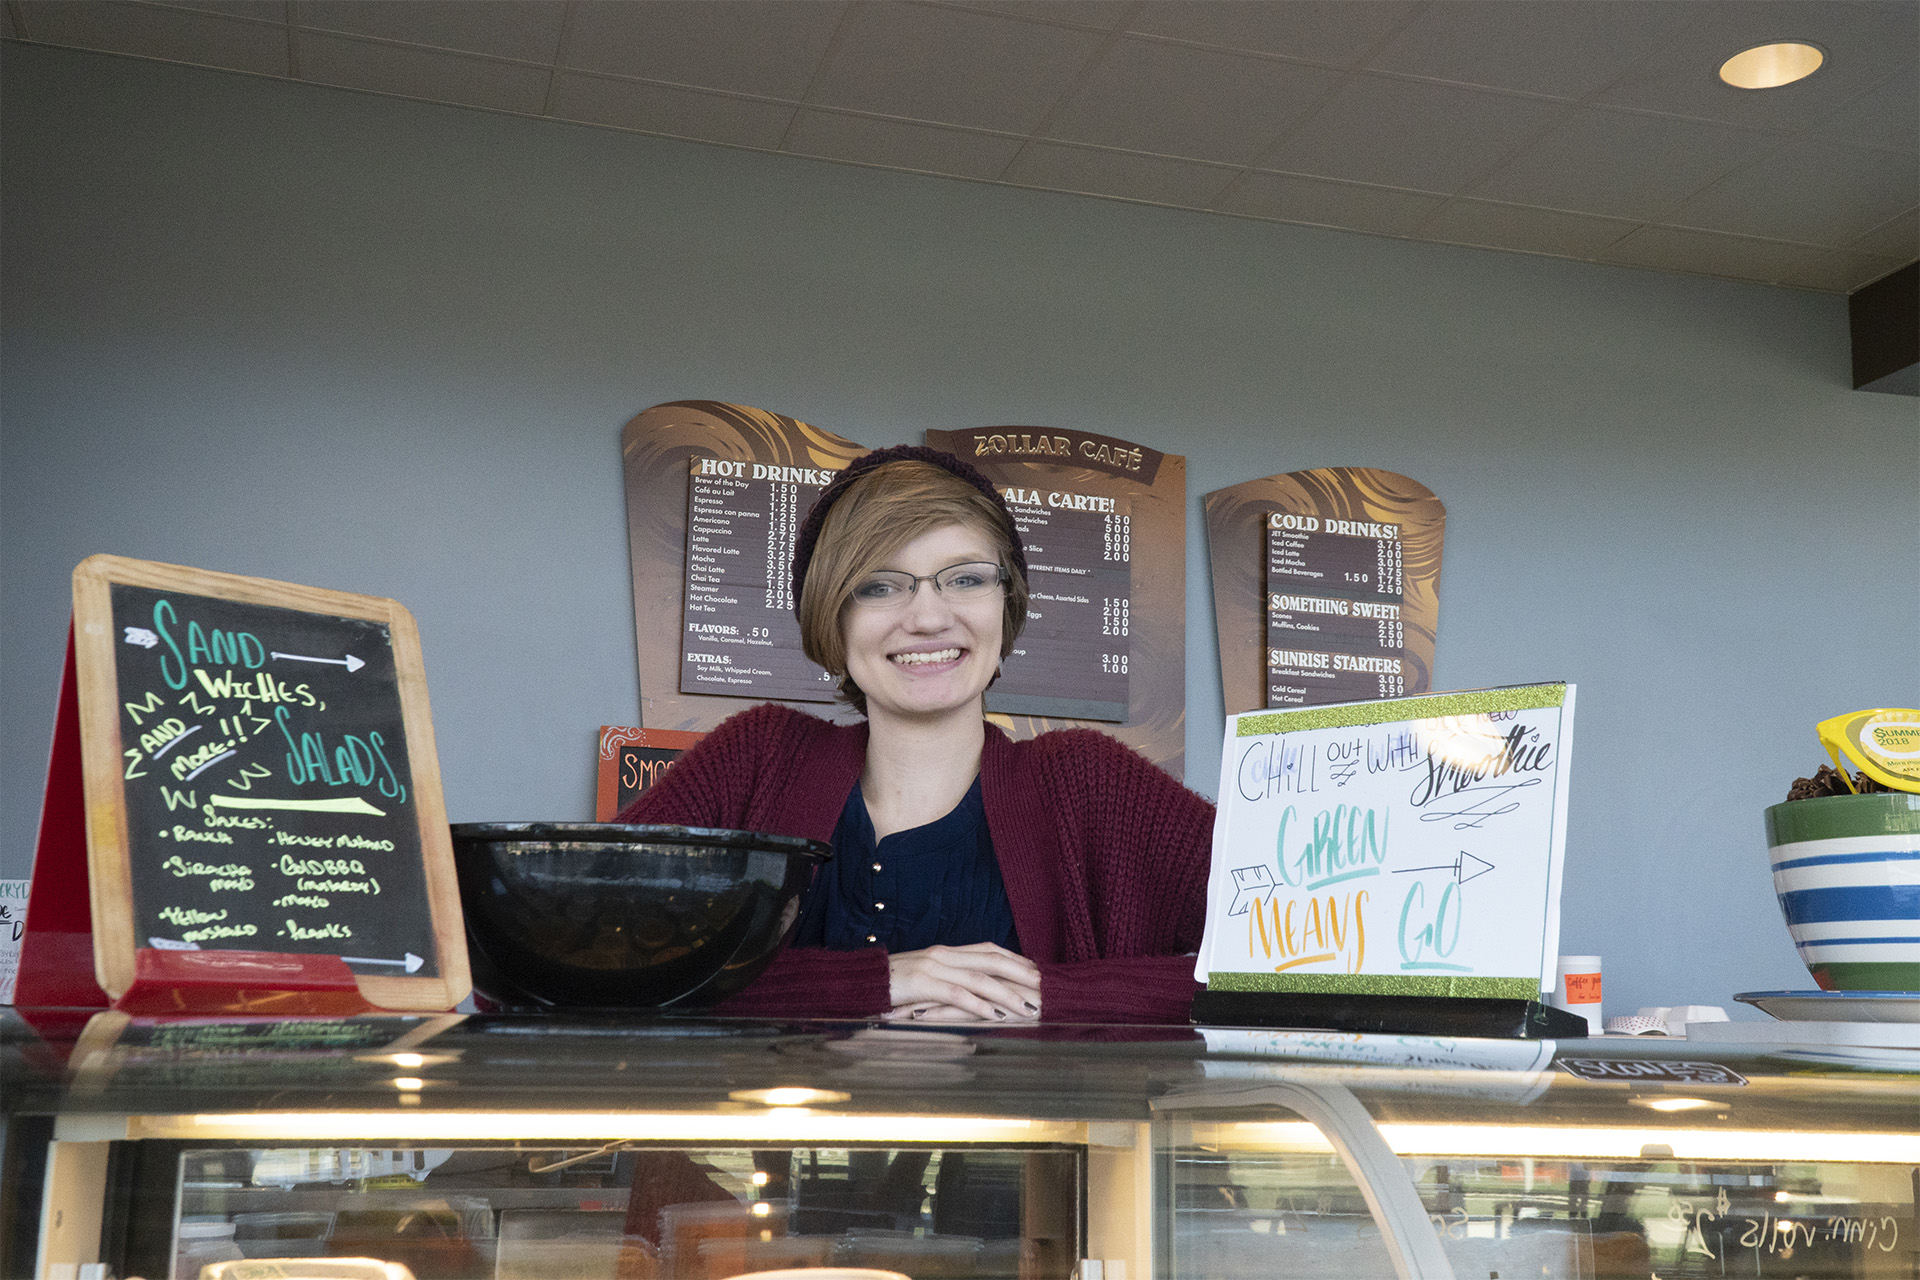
(1883, 743)
(960, 583)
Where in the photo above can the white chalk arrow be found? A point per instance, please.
(350, 662)
(411, 964)
(338, 804)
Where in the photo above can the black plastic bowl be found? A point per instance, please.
(584, 915)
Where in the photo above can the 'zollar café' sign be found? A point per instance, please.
(1062, 448)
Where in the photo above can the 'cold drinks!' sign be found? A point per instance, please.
(1410, 847)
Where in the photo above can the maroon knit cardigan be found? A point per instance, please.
(1104, 856)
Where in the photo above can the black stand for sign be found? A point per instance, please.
(1391, 1015)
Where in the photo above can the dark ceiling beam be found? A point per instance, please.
(1885, 319)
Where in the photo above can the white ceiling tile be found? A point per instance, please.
(1864, 269)
(1411, 133)
(1328, 204)
(764, 47)
(897, 144)
(1512, 226)
(421, 73)
(147, 31)
(679, 113)
(1886, 116)
(500, 28)
(1197, 103)
(1566, 50)
(1119, 173)
(1101, 14)
(1811, 191)
(1863, 44)
(1897, 237)
(1734, 257)
(1337, 33)
(1621, 164)
(257, 10)
(952, 66)
(1836, 272)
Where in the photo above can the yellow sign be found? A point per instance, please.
(1884, 743)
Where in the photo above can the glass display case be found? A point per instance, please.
(700, 1149)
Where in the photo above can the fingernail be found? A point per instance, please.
(916, 1013)
(999, 1013)
(1031, 1006)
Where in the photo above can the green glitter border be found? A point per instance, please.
(1379, 984)
(1529, 697)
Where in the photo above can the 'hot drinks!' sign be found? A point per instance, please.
(741, 637)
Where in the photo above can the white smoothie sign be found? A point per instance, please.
(1405, 847)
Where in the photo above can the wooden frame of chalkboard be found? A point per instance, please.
(185, 778)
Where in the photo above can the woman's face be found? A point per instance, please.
(931, 655)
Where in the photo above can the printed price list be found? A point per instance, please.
(740, 638)
(1334, 626)
(1073, 659)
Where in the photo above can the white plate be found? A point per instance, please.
(1811, 1038)
(1836, 1006)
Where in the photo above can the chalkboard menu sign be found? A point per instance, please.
(632, 760)
(261, 785)
(1334, 591)
(741, 638)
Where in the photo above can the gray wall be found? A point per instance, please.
(388, 347)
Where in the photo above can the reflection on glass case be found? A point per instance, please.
(706, 1149)
(1243, 1211)
(635, 1213)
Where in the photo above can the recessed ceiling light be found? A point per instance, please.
(1768, 66)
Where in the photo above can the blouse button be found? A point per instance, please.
(879, 906)
(876, 866)
(872, 938)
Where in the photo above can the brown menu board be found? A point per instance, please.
(1072, 659)
(1115, 581)
(741, 638)
(715, 494)
(1334, 630)
(1325, 586)
(261, 779)
(1105, 533)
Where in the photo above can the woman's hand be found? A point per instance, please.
(980, 982)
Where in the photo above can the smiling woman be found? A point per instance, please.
(973, 878)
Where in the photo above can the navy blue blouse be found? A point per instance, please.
(937, 885)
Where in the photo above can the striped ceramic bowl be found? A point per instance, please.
(1847, 873)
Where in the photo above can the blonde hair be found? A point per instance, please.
(878, 514)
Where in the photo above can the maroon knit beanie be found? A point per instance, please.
(817, 515)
